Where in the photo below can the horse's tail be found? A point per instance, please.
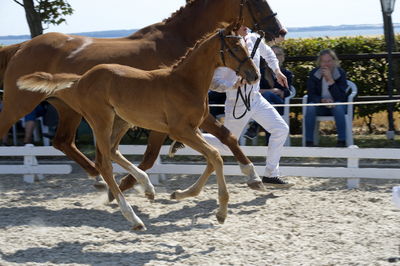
(6, 53)
(46, 82)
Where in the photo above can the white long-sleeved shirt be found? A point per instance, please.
(224, 78)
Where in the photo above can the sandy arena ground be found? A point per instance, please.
(62, 221)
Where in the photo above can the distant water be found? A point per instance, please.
(11, 41)
(298, 33)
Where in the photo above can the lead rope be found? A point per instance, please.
(246, 97)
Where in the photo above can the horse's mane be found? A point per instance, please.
(189, 3)
(189, 51)
(140, 33)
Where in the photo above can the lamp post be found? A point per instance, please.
(387, 10)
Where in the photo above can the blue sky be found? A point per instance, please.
(96, 15)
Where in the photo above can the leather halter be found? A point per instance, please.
(256, 24)
(225, 47)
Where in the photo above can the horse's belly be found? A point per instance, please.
(146, 120)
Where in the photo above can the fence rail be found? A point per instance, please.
(352, 172)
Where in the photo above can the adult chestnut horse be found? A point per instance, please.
(165, 100)
(155, 45)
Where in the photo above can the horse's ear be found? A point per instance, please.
(239, 23)
(233, 27)
(236, 24)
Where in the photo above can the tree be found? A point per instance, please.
(44, 12)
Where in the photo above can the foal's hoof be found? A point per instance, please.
(110, 196)
(173, 195)
(257, 185)
(149, 195)
(221, 218)
(139, 227)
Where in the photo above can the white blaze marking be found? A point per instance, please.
(86, 42)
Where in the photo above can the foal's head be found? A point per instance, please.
(234, 54)
(262, 18)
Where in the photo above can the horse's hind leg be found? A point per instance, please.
(102, 129)
(64, 140)
(214, 161)
(154, 143)
(120, 127)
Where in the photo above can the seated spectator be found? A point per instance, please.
(326, 84)
(50, 118)
(271, 90)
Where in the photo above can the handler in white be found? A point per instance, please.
(261, 110)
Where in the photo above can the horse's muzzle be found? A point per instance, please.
(251, 77)
(283, 32)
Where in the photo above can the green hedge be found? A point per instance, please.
(370, 76)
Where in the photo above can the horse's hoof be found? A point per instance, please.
(173, 195)
(221, 218)
(149, 195)
(110, 196)
(257, 185)
(139, 227)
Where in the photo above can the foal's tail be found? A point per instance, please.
(46, 82)
(6, 53)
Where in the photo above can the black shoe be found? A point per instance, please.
(252, 131)
(341, 143)
(175, 146)
(276, 182)
(309, 144)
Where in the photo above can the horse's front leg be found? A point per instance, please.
(195, 140)
(214, 127)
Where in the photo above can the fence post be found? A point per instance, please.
(29, 161)
(156, 178)
(353, 163)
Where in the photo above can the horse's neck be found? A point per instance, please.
(193, 21)
(200, 64)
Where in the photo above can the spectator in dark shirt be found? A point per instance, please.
(326, 84)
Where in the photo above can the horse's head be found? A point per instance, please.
(235, 55)
(258, 15)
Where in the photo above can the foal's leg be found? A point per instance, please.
(214, 127)
(154, 143)
(120, 127)
(214, 161)
(102, 129)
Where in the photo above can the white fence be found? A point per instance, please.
(352, 172)
(30, 168)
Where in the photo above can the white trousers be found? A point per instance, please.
(265, 115)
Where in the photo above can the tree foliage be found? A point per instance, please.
(41, 13)
(53, 11)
